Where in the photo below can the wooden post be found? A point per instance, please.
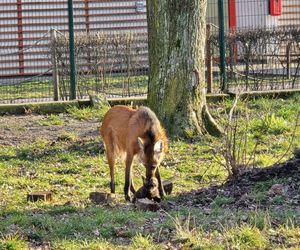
(209, 59)
(55, 77)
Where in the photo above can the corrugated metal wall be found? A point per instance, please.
(290, 13)
(254, 14)
(24, 22)
(25, 26)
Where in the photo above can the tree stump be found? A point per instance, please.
(147, 205)
(102, 198)
(168, 186)
(37, 196)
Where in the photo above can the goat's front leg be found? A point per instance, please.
(160, 185)
(128, 177)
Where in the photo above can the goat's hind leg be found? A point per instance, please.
(111, 158)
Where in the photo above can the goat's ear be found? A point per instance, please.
(141, 143)
(158, 146)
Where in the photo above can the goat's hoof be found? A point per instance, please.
(128, 198)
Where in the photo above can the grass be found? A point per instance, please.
(12, 242)
(246, 238)
(26, 90)
(86, 113)
(13, 127)
(265, 124)
(51, 120)
(44, 88)
(71, 169)
(143, 242)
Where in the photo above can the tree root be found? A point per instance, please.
(209, 124)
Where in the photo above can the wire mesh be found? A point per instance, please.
(24, 66)
(26, 55)
(262, 41)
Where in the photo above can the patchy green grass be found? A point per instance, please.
(121, 85)
(266, 125)
(12, 242)
(51, 120)
(246, 238)
(13, 127)
(144, 242)
(26, 90)
(72, 168)
(86, 113)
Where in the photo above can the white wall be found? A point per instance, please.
(254, 14)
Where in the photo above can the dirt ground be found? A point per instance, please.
(15, 130)
(279, 185)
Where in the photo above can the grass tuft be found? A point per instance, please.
(12, 242)
(51, 120)
(140, 241)
(86, 113)
(246, 237)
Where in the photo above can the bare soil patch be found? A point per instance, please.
(276, 187)
(16, 130)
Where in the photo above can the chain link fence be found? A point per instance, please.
(262, 40)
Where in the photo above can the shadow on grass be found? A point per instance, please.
(226, 203)
(33, 152)
(67, 222)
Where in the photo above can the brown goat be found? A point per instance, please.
(134, 132)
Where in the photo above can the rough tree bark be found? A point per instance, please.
(176, 30)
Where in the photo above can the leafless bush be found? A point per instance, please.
(261, 56)
(99, 57)
(235, 153)
(243, 137)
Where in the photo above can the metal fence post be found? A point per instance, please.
(72, 51)
(288, 60)
(55, 76)
(209, 59)
(222, 44)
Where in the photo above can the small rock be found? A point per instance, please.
(148, 190)
(36, 196)
(147, 205)
(96, 232)
(244, 218)
(102, 198)
(277, 189)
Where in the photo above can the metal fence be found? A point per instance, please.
(30, 70)
(262, 44)
(262, 39)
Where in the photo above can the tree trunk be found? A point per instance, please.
(176, 30)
